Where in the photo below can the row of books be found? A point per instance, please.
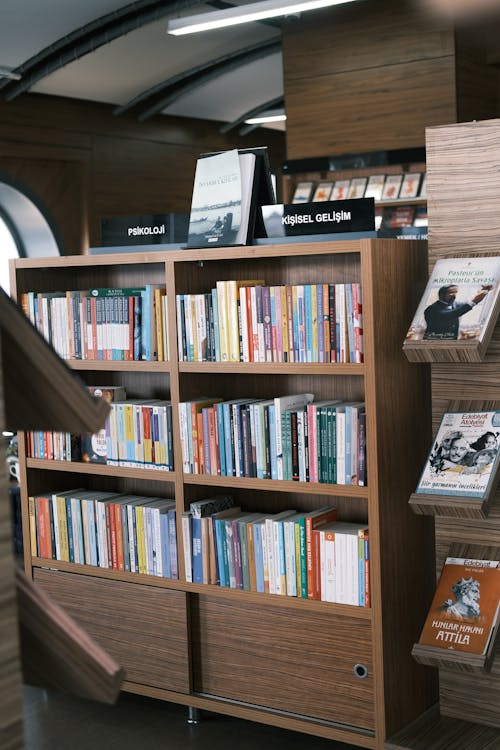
(102, 323)
(307, 555)
(137, 434)
(392, 217)
(117, 531)
(285, 438)
(249, 322)
(378, 186)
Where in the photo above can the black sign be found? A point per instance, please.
(322, 217)
(146, 229)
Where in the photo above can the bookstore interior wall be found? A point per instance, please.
(210, 637)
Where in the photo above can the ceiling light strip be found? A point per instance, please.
(244, 14)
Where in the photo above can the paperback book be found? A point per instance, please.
(463, 461)
(459, 301)
(227, 188)
(464, 612)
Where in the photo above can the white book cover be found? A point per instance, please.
(302, 192)
(375, 186)
(323, 191)
(411, 183)
(340, 190)
(392, 187)
(358, 187)
(458, 300)
(222, 194)
(463, 459)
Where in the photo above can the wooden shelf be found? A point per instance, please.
(118, 366)
(292, 602)
(450, 659)
(342, 650)
(280, 485)
(76, 467)
(403, 202)
(279, 368)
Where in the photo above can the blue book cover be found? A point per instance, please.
(79, 529)
(69, 520)
(172, 543)
(228, 439)
(259, 558)
(222, 439)
(197, 550)
(361, 568)
(165, 547)
(222, 552)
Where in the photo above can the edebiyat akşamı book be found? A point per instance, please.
(463, 460)
(228, 186)
(465, 608)
(459, 300)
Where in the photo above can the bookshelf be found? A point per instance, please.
(239, 652)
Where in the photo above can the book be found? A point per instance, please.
(420, 219)
(463, 460)
(94, 447)
(323, 191)
(392, 187)
(227, 187)
(398, 216)
(340, 190)
(357, 187)
(460, 301)
(464, 614)
(411, 183)
(303, 191)
(375, 186)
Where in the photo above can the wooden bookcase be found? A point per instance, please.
(331, 670)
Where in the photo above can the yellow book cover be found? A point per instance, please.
(63, 528)
(233, 330)
(141, 547)
(31, 513)
(159, 293)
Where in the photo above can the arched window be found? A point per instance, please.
(24, 228)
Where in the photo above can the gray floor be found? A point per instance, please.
(53, 721)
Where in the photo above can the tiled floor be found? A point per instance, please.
(53, 721)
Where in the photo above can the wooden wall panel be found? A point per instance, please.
(380, 74)
(382, 108)
(302, 664)
(463, 187)
(154, 654)
(82, 163)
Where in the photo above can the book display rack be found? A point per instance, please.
(238, 651)
(468, 713)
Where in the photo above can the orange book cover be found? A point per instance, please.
(464, 612)
(314, 520)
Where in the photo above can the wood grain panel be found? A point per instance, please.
(142, 627)
(463, 189)
(322, 118)
(303, 665)
(399, 395)
(344, 39)
(434, 732)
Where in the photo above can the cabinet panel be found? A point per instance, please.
(302, 664)
(144, 628)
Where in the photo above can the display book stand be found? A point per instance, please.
(38, 390)
(240, 652)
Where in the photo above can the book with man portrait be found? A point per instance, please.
(463, 460)
(464, 612)
(457, 312)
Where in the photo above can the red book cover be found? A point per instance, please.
(315, 520)
(42, 514)
(289, 312)
(117, 509)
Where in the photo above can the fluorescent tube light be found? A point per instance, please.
(6, 72)
(245, 13)
(265, 118)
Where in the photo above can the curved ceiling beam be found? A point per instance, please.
(88, 38)
(163, 94)
(271, 104)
